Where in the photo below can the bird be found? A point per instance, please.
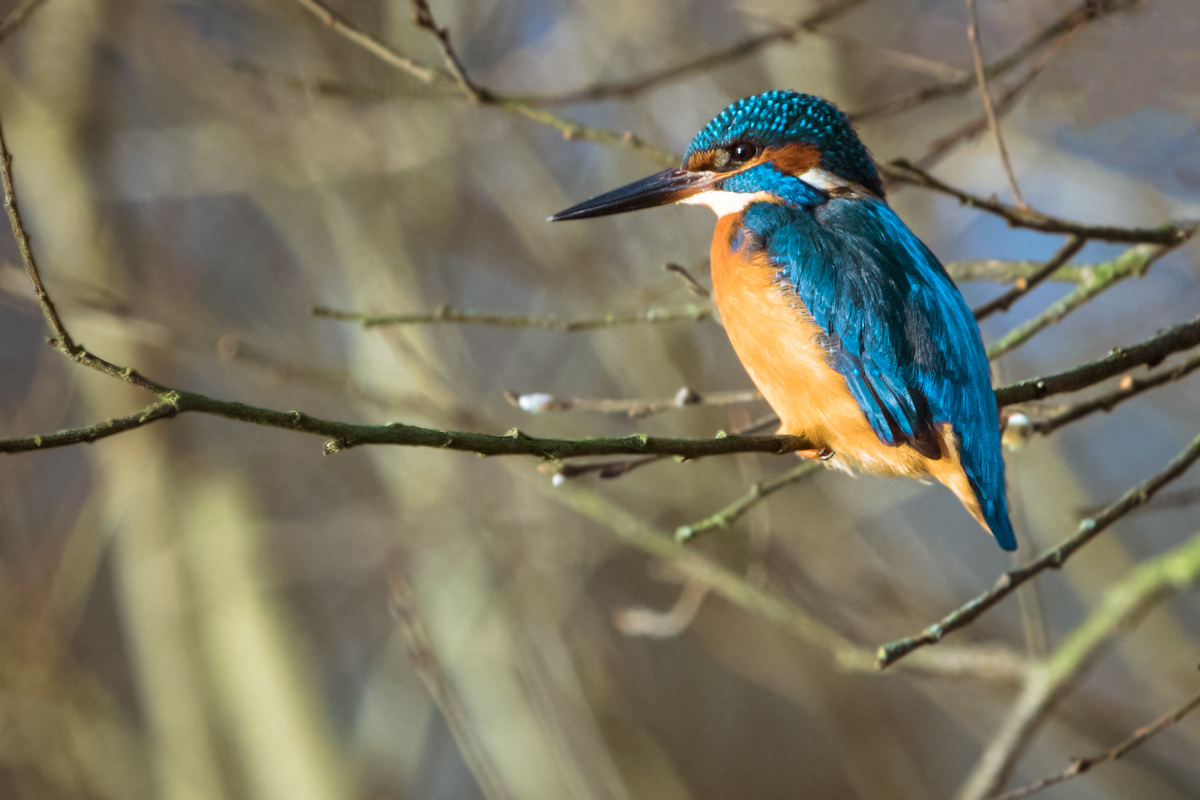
(846, 322)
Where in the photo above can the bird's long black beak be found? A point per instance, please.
(668, 186)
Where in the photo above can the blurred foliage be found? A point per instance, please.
(201, 608)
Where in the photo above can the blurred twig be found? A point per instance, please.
(1007, 102)
(537, 403)
(1022, 286)
(443, 691)
(18, 17)
(988, 109)
(625, 89)
(1080, 766)
(694, 286)
(690, 313)
(1047, 681)
(1088, 11)
(737, 509)
(1089, 529)
(1134, 261)
(984, 662)
(425, 73)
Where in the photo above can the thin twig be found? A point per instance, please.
(1135, 261)
(339, 24)
(688, 313)
(516, 106)
(1023, 286)
(423, 18)
(1007, 102)
(694, 286)
(981, 78)
(738, 508)
(343, 435)
(1089, 529)
(1170, 235)
(997, 270)
(1088, 11)
(1080, 766)
(1124, 602)
(709, 61)
(615, 468)
(1129, 387)
(62, 340)
(636, 408)
(982, 662)
(1151, 353)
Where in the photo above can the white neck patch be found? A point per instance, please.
(825, 181)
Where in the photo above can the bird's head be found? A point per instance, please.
(754, 150)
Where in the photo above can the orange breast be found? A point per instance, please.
(777, 342)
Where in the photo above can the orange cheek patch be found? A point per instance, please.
(793, 159)
(700, 162)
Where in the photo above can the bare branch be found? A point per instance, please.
(1088, 11)
(1150, 353)
(988, 109)
(983, 662)
(62, 340)
(339, 24)
(1129, 387)
(615, 468)
(343, 435)
(423, 18)
(1025, 285)
(998, 271)
(1008, 101)
(516, 106)
(1081, 766)
(737, 509)
(1134, 261)
(689, 313)
(1089, 529)
(1046, 683)
(1170, 235)
(709, 61)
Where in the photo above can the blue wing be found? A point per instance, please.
(897, 329)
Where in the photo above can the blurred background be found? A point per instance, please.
(208, 609)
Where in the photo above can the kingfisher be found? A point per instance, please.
(845, 321)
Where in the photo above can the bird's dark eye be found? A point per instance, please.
(742, 152)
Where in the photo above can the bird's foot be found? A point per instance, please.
(823, 453)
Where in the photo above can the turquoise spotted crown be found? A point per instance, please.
(778, 118)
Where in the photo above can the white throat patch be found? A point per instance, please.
(723, 203)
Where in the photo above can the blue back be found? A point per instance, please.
(897, 328)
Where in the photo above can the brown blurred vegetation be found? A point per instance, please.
(207, 609)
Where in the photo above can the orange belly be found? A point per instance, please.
(777, 341)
